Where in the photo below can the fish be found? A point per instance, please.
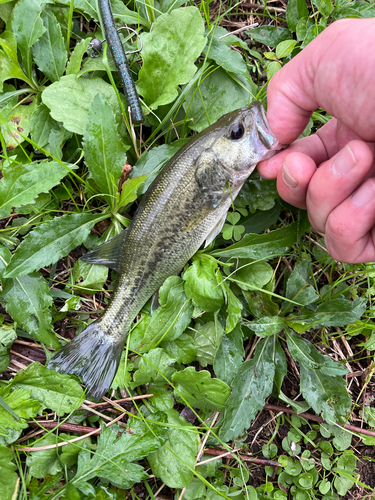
(185, 206)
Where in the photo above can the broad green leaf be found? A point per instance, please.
(257, 246)
(285, 48)
(333, 312)
(20, 402)
(299, 287)
(88, 278)
(130, 188)
(59, 392)
(305, 353)
(326, 395)
(152, 367)
(49, 51)
(125, 15)
(8, 477)
(7, 337)
(260, 303)
(261, 220)
(122, 377)
(115, 459)
(69, 100)
(41, 125)
(296, 9)
(281, 366)
(169, 53)
(104, 152)
(27, 299)
(15, 121)
(170, 320)
(50, 241)
(218, 94)
(174, 462)
(10, 69)
(269, 35)
(325, 7)
(207, 338)
(234, 310)
(200, 390)
(257, 193)
(46, 462)
(267, 325)
(22, 184)
(153, 160)
(250, 275)
(75, 61)
(229, 356)
(201, 285)
(230, 60)
(181, 349)
(27, 25)
(252, 384)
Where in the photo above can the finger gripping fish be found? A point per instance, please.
(185, 205)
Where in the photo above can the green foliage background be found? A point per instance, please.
(218, 343)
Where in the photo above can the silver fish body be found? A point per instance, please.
(185, 205)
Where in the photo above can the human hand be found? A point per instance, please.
(336, 72)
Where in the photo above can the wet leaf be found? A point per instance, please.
(269, 35)
(170, 320)
(124, 451)
(181, 349)
(200, 390)
(207, 338)
(169, 53)
(49, 51)
(27, 299)
(7, 337)
(257, 194)
(69, 100)
(21, 404)
(50, 241)
(254, 246)
(27, 26)
(218, 94)
(175, 461)
(267, 325)
(22, 184)
(152, 367)
(229, 356)
(104, 152)
(61, 393)
(201, 285)
(230, 60)
(9, 477)
(296, 9)
(252, 384)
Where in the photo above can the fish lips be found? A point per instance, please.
(264, 140)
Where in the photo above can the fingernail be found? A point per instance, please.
(364, 194)
(288, 178)
(344, 161)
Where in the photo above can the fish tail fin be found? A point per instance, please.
(93, 355)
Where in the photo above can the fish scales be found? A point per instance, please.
(185, 205)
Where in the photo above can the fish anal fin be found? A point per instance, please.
(107, 254)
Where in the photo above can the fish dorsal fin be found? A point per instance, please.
(107, 254)
(215, 231)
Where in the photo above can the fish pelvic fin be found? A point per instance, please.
(93, 355)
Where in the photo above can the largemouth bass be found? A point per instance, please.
(185, 205)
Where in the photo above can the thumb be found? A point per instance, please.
(334, 72)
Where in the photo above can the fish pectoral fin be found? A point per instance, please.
(204, 210)
(108, 254)
(216, 230)
(155, 304)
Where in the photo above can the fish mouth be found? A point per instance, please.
(265, 134)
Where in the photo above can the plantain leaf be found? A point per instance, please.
(169, 53)
(252, 384)
(27, 299)
(22, 184)
(104, 152)
(51, 241)
(59, 392)
(49, 51)
(200, 390)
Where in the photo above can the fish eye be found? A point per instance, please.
(237, 131)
